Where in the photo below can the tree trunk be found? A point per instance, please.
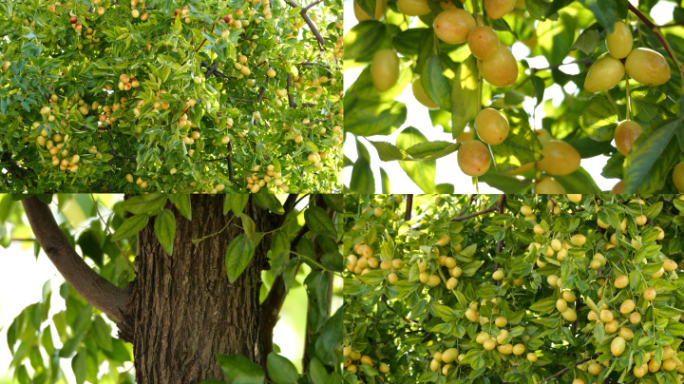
(182, 311)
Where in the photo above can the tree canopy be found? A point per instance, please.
(132, 96)
(513, 288)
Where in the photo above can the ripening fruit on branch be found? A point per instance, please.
(474, 158)
(617, 346)
(626, 134)
(648, 67)
(604, 75)
(453, 25)
(6, 65)
(621, 281)
(502, 69)
(491, 126)
(678, 177)
(649, 294)
(620, 42)
(497, 9)
(420, 95)
(575, 198)
(361, 15)
(532, 357)
(548, 186)
(483, 42)
(385, 69)
(413, 7)
(560, 158)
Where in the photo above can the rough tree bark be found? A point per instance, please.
(181, 311)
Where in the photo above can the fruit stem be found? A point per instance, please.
(656, 31)
(628, 112)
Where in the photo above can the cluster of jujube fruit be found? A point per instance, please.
(618, 306)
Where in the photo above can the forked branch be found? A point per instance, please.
(307, 19)
(94, 289)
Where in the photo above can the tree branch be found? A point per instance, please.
(409, 207)
(290, 99)
(307, 19)
(94, 289)
(465, 207)
(475, 214)
(499, 245)
(306, 63)
(562, 371)
(262, 91)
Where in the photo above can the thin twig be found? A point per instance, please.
(475, 214)
(465, 207)
(409, 207)
(562, 371)
(290, 99)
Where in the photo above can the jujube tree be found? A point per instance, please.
(132, 96)
(514, 288)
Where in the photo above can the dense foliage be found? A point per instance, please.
(514, 288)
(128, 95)
(456, 57)
(105, 235)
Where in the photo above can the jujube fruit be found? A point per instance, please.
(548, 186)
(474, 158)
(497, 9)
(420, 95)
(483, 42)
(385, 69)
(502, 69)
(413, 7)
(678, 177)
(648, 67)
(453, 26)
(491, 126)
(617, 346)
(620, 42)
(560, 158)
(604, 75)
(626, 134)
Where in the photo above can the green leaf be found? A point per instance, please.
(600, 119)
(423, 172)
(317, 372)
(235, 202)
(102, 333)
(556, 37)
(280, 249)
(579, 181)
(544, 305)
(588, 40)
(363, 40)
(370, 119)
(362, 179)
(539, 88)
(182, 203)
(675, 329)
(385, 181)
(520, 147)
(270, 202)
(330, 338)
(238, 255)
(79, 364)
(335, 201)
(651, 157)
(91, 246)
(464, 96)
(368, 6)
(388, 152)
(240, 370)
(131, 227)
(435, 84)
(505, 183)
(144, 203)
(319, 222)
(432, 150)
(165, 230)
(280, 369)
(605, 11)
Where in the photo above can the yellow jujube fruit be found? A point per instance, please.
(569, 315)
(575, 198)
(491, 126)
(361, 15)
(444, 240)
(578, 240)
(385, 69)
(649, 294)
(548, 186)
(502, 69)
(518, 349)
(648, 67)
(561, 305)
(532, 357)
(498, 275)
(497, 9)
(384, 368)
(474, 158)
(420, 95)
(620, 42)
(449, 355)
(453, 25)
(617, 346)
(621, 281)
(483, 42)
(413, 7)
(604, 75)
(626, 134)
(434, 365)
(560, 158)
(678, 177)
(489, 344)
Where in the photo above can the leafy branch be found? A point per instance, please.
(562, 371)
(309, 22)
